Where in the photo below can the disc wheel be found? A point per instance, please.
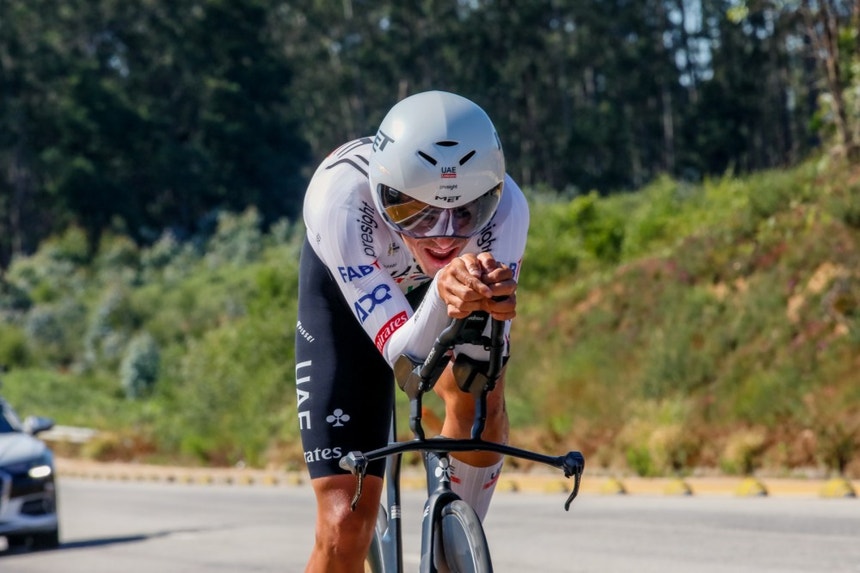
(463, 541)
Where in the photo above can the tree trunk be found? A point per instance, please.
(823, 28)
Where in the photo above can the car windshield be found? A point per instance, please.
(8, 419)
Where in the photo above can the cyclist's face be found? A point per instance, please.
(434, 253)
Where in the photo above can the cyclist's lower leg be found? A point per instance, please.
(477, 472)
(343, 536)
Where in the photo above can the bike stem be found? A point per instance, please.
(417, 377)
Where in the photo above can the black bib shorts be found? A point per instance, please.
(344, 386)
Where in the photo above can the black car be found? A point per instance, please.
(28, 497)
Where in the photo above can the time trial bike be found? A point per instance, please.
(452, 536)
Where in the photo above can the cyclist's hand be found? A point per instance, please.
(500, 278)
(472, 283)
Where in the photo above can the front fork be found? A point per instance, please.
(439, 495)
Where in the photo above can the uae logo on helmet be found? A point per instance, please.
(449, 173)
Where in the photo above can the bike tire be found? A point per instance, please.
(464, 543)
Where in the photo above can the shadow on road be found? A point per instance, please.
(98, 542)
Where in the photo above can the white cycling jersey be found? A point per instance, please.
(372, 264)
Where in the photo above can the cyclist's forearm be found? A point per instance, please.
(417, 335)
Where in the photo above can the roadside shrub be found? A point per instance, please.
(118, 259)
(111, 324)
(168, 260)
(843, 201)
(673, 448)
(67, 398)
(653, 217)
(238, 239)
(657, 439)
(553, 249)
(601, 229)
(140, 366)
(743, 451)
(834, 418)
(54, 331)
(14, 352)
(233, 399)
(680, 356)
(14, 301)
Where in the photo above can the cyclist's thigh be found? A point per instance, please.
(344, 386)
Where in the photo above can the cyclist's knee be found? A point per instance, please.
(340, 530)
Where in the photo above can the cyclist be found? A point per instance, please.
(405, 230)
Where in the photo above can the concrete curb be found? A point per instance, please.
(510, 482)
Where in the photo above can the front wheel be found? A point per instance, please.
(463, 541)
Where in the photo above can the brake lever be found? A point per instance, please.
(574, 465)
(356, 464)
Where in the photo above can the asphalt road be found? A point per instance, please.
(136, 527)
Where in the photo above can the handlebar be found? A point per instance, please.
(572, 463)
(417, 377)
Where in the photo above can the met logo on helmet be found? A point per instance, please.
(381, 140)
(447, 198)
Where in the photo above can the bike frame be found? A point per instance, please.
(416, 378)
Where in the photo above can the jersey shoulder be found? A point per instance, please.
(339, 181)
(343, 226)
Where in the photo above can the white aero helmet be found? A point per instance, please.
(437, 166)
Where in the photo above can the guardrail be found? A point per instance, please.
(69, 434)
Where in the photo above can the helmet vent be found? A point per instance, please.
(427, 158)
(446, 143)
(467, 157)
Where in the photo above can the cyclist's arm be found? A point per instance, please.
(346, 234)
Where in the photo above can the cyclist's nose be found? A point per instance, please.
(444, 243)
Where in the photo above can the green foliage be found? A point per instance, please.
(566, 234)
(683, 349)
(111, 323)
(833, 414)
(739, 306)
(657, 439)
(126, 117)
(198, 333)
(556, 244)
(14, 351)
(602, 231)
(233, 397)
(677, 327)
(653, 215)
(69, 399)
(743, 451)
(140, 366)
(237, 240)
(54, 331)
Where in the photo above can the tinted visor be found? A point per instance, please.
(417, 219)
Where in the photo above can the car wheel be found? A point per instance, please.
(16, 541)
(47, 540)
